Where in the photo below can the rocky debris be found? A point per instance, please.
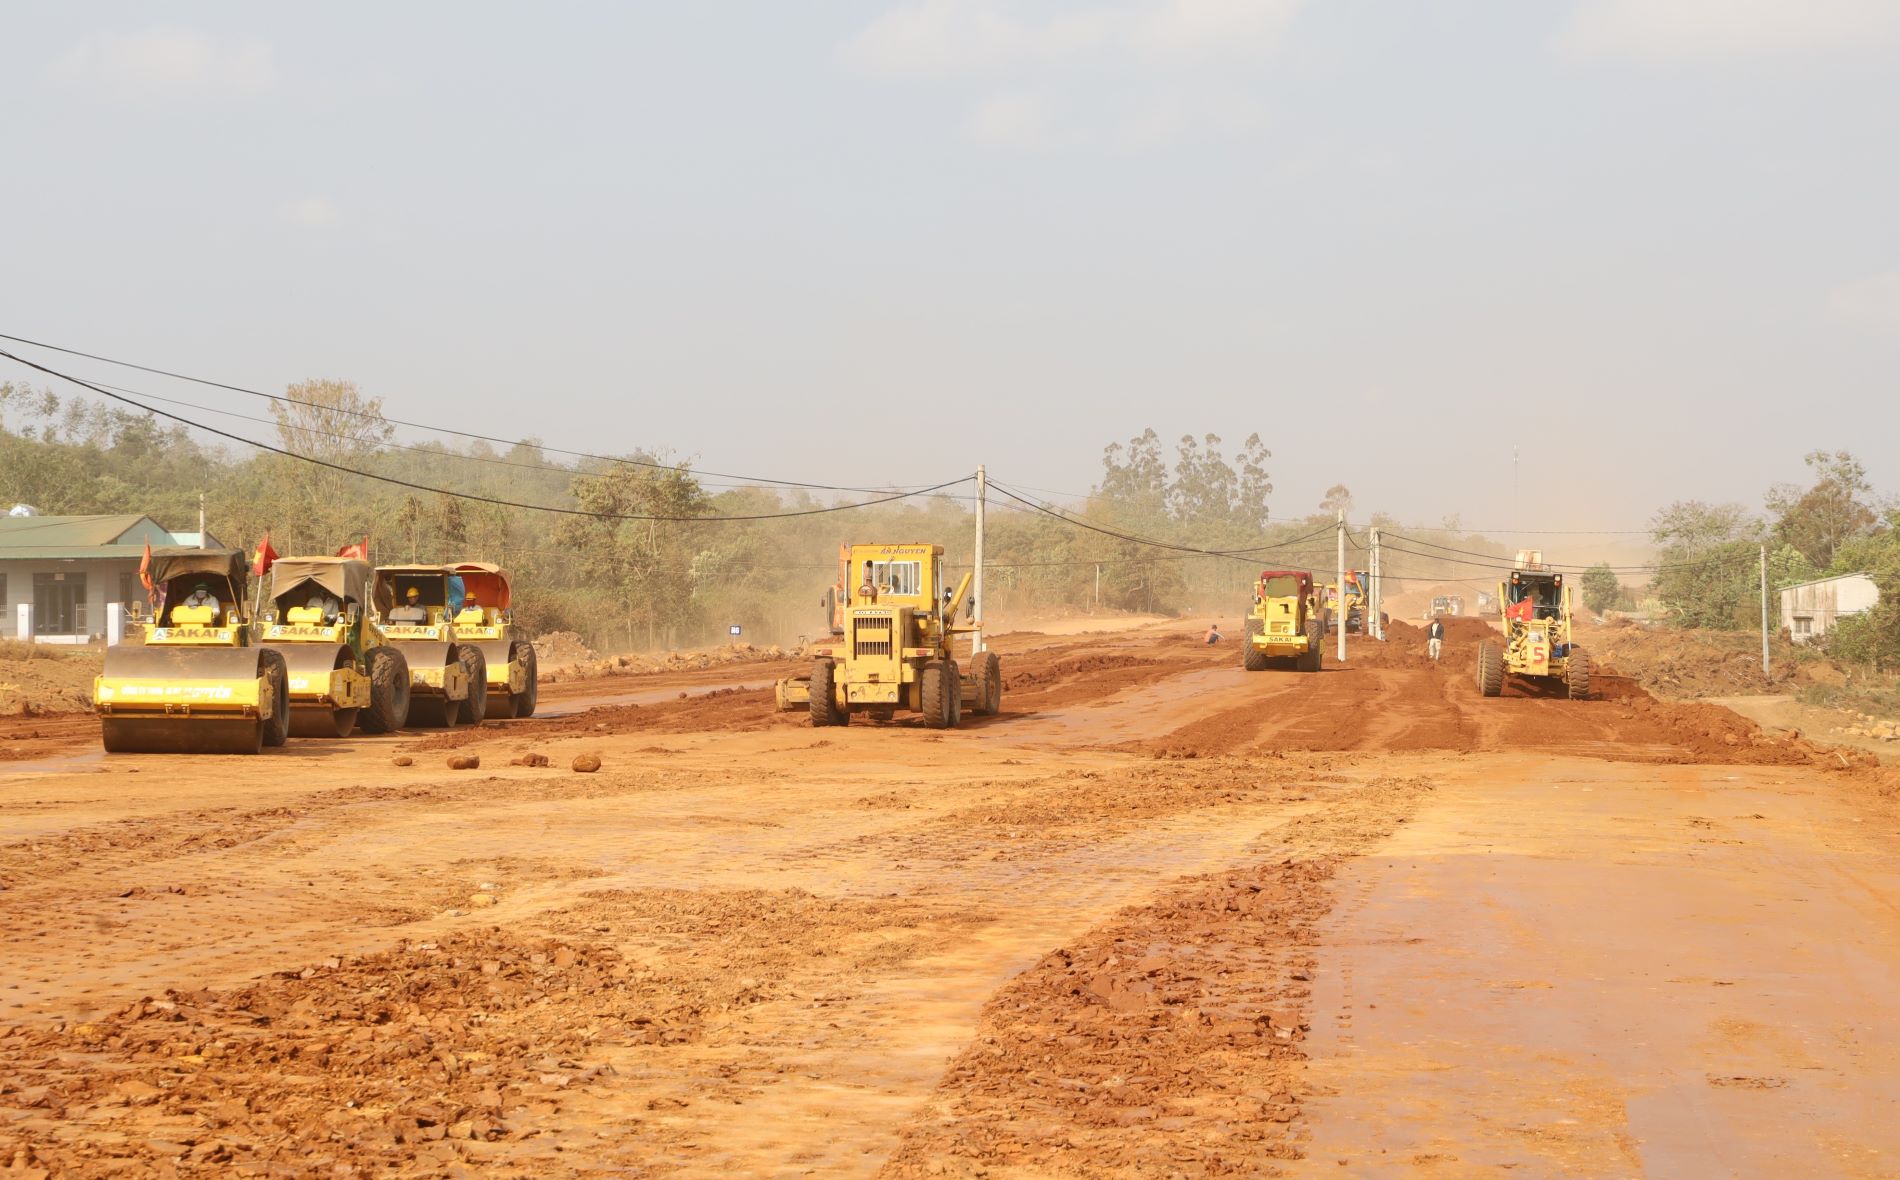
(586, 763)
(403, 760)
(561, 647)
(465, 761)
(529, 759)
(1866, 725)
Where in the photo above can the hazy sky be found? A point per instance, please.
(1654, 242)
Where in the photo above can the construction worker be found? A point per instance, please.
(411, 610)
(1434, 637)
(201, 595)
(1213, 634)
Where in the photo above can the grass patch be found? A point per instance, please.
(13, 649)
(1864, 692)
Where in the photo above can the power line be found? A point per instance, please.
(480, 499)
(1233, 554)
(286, 400)
(434, 452)
(1496, 563)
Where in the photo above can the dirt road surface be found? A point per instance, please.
(1160, 918)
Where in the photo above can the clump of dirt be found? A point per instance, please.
(41, 679)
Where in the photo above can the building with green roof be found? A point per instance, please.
(68, 569)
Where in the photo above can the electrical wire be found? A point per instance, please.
(1235, 554)
(287, 400)
(479, 499)
(1496, 563)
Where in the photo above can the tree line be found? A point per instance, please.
(1126, 543)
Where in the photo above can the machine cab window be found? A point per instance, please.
(901, 578)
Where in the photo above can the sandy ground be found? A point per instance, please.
(1160, 918)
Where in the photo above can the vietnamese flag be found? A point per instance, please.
(356, 549)
(265, 558)
(1521, 611)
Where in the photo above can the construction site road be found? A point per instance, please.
(1162, 917)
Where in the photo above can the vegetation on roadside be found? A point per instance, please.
(1711, 556)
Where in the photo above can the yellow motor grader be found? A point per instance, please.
(1284, 624)
(197, 684)
(415, 605)
(487, 622)
(343, 671)
(1535, 605)
(894, 650)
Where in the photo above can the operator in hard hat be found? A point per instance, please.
(411, 610)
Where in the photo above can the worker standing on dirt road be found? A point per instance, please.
(1434, 638)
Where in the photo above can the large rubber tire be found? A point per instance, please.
(1308, 660)
(1577, 674)
(1251, 657)
(475, 704)
(953, 692)
(1490, 669)
(526, 699)
(989, 684)
(824, 702)
(388, 692)
(935, 684)
(270, 665)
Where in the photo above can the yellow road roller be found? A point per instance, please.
(343, 672)
(487, 621)
(415, 609)
(196, 684)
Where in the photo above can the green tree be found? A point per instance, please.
(1818, 519)
(1601, 589)
(1707, 578)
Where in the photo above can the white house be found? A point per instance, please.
(1810, 608)
(67, 568)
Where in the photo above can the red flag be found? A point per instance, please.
(1521, 611)
(266, 557)
(356, 549)
(145, 569)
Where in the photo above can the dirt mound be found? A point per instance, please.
(644, 664)
(1166, 1043)
(561, 647)
(1692, 664)
(724, 709)
(38, 679)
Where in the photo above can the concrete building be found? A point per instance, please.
(1810, 608)
(66, 569)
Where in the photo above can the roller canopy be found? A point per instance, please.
(173, 564)
(487, 584)
(343, 577)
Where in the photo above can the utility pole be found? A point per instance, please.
(976, 588)
(1764, 612)
(201, 522)
(1339, 599)
(1098, 585)
(1375, 591)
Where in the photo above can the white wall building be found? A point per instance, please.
(1810, 608)
(67, 569)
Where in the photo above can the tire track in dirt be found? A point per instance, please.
(1165, 1042)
